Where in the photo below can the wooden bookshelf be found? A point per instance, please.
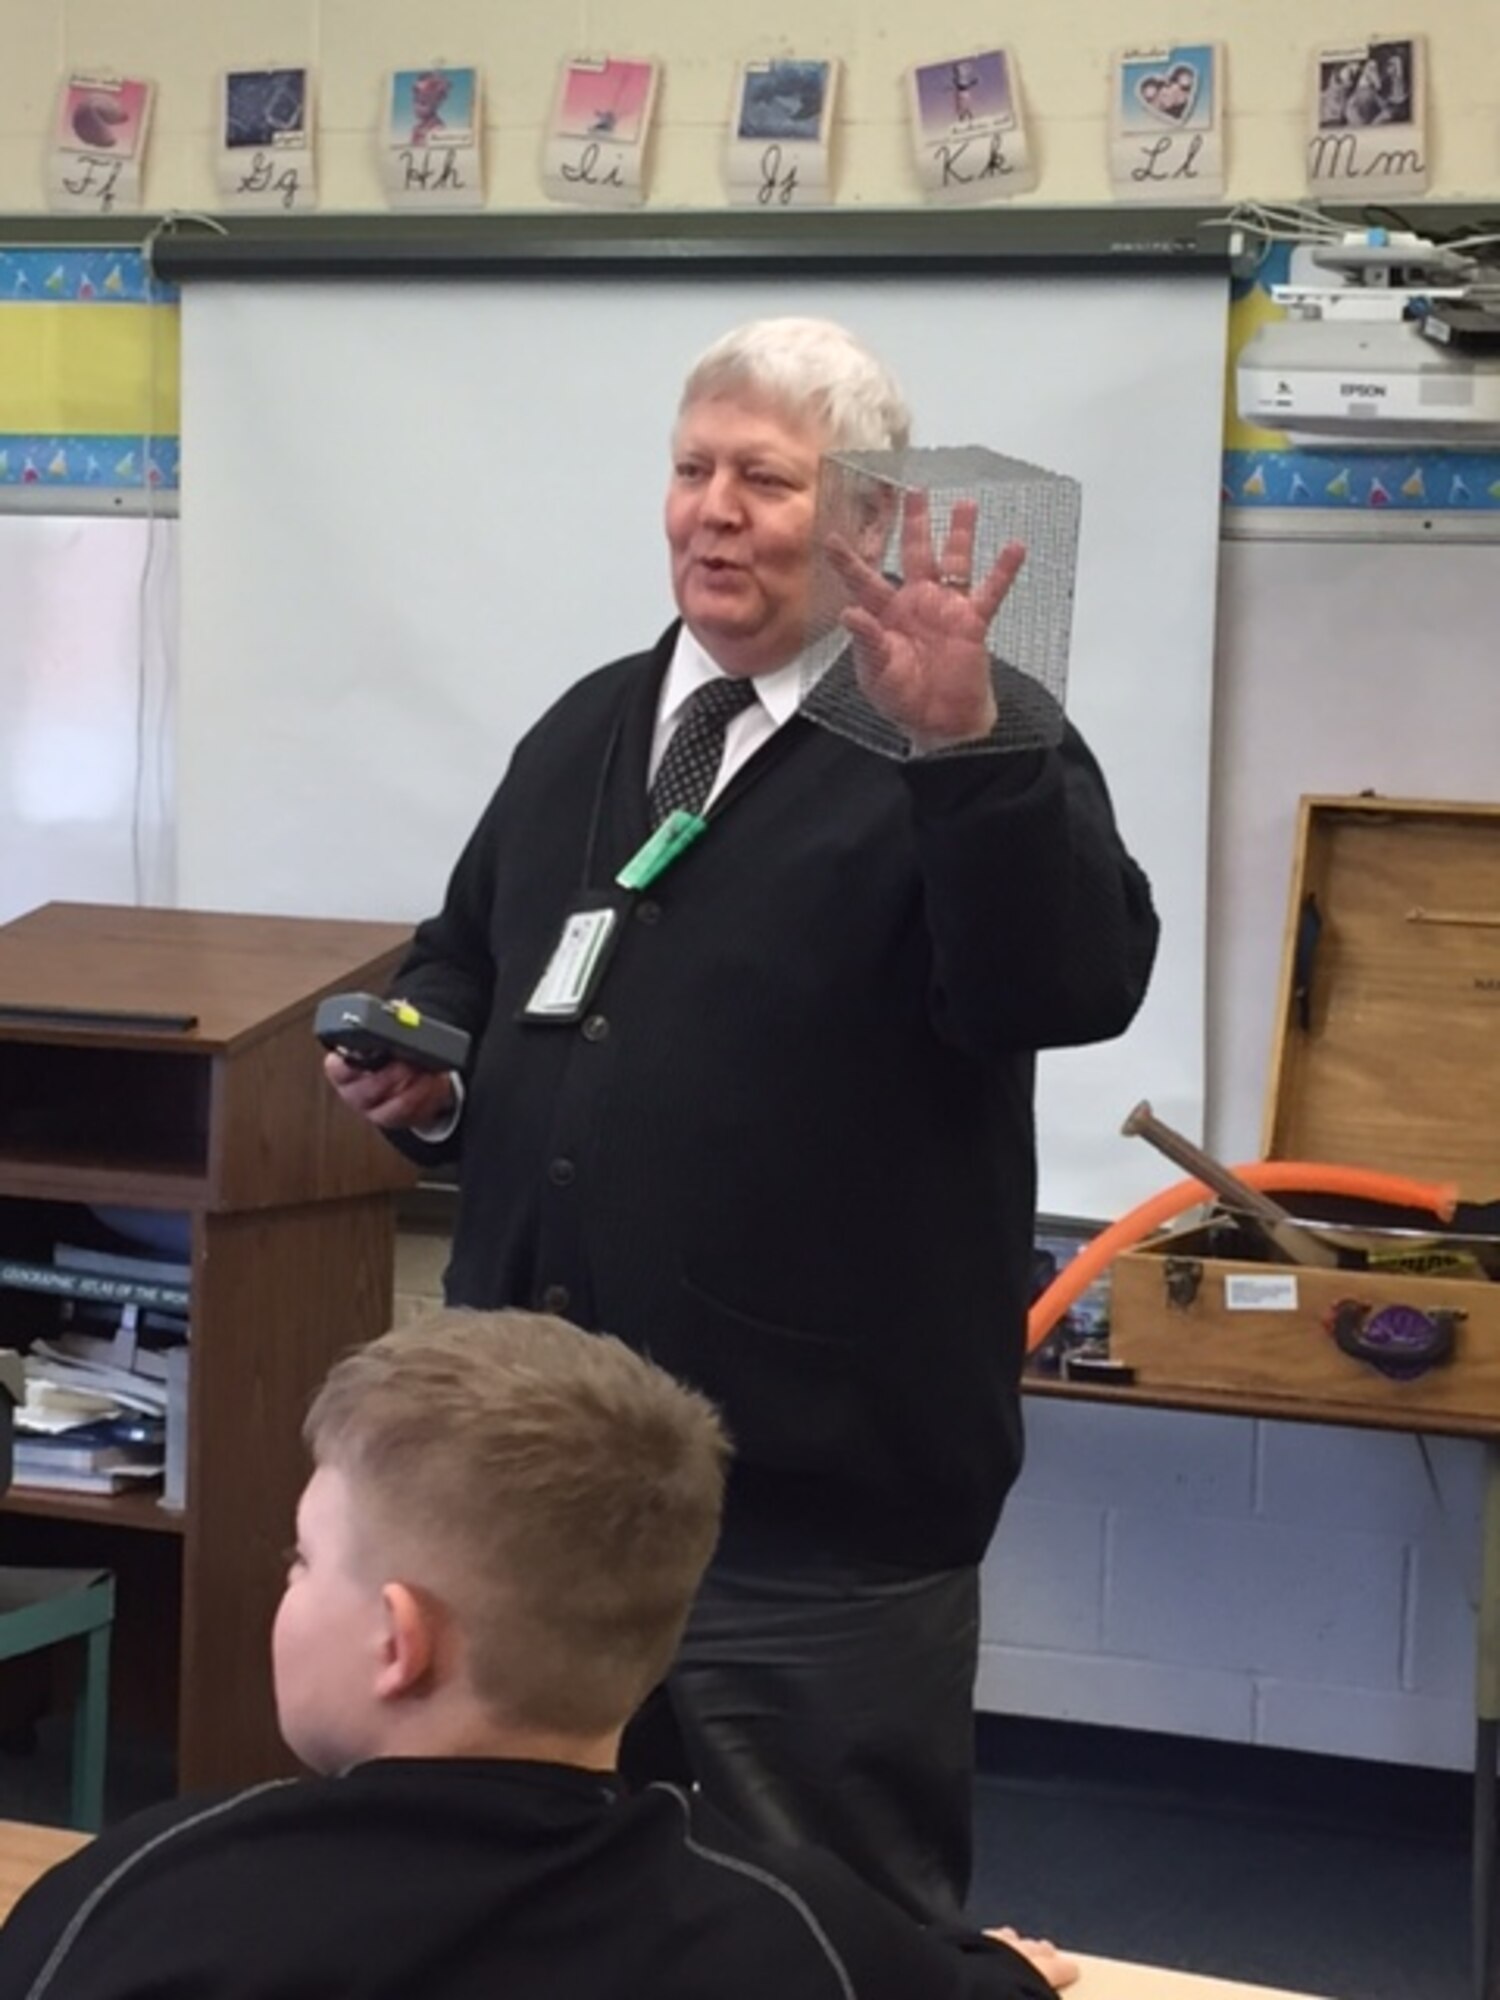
(290, 1204)
(146, 1184)
(141, 1513)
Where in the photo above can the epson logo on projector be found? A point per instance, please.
(1362, 388)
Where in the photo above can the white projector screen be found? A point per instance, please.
(413, 512)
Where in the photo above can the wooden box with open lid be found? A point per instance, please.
(1387, 1055)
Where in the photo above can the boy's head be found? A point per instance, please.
(504, 1529)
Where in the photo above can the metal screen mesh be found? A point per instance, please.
(861, 497)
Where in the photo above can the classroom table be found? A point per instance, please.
(29, 1851)
(1484, 1429)
(1113, 1979)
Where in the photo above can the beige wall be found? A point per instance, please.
(1063, 46)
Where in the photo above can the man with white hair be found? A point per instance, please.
(756, 1095)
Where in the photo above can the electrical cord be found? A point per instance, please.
(151, 743)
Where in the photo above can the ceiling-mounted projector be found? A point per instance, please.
(1370, 361)
(1375, 387)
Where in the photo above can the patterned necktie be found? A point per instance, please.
(686, 774)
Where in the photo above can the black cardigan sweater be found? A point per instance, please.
(789, 1150)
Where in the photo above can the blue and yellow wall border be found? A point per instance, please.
(89, 353)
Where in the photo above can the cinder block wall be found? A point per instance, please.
(1256, 1582)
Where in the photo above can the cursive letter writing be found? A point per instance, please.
(1157, 159)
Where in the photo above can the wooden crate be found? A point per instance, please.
(1387, 1055)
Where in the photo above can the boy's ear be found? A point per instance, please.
(410, 1643)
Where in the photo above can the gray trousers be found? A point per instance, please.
(832, 1708)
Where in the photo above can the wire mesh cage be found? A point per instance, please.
(862, 499)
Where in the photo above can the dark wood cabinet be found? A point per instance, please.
(289, 1203)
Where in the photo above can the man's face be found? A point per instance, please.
(739, 516)
(327, 1640)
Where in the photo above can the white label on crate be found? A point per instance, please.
(1245, 1291)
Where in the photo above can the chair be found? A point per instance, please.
(46, 1607)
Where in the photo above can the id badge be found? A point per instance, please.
(576, 965)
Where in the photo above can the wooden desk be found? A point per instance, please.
(1112, 1979)
(27, 1852)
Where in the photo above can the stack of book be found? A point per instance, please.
(106, 1401)
(106, 1453)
